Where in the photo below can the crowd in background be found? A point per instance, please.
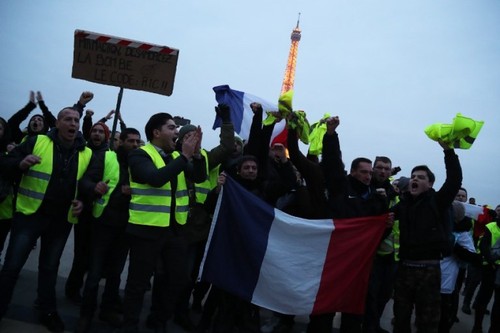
(151, 200)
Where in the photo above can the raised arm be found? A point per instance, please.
(49, 118)
(87, 124)
(17, 118)
(220, 153)
(448, 191)
(333, 166)
(85, 97)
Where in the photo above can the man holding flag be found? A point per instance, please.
(289, 264)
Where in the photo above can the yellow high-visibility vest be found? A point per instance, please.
(112, 175)
(35, 181)
(495, 235)
(7, 208)
(202, 189)
(151, 205)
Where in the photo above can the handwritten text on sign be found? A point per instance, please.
(124, 63)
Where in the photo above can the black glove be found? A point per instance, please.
(395, 171)
(223, 111)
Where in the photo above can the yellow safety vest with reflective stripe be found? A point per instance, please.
(388, 244)
(35, 181)
(111, 175)
(213, 176)
(202, 189)
(7, 208)
(495, 235)
(151, 205)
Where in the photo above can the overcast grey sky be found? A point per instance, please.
(386, 68)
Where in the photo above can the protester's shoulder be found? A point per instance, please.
(101, 154)
(137, 154)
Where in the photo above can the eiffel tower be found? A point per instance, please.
(289, 78)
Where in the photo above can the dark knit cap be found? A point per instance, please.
(403, 183)
(185, 130)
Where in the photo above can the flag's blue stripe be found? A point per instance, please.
(239, 241)
(233, 98)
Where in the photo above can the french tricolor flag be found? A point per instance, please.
(241, 113)
(288, 264)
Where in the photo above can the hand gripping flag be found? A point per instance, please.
(288, 264)
(241, 113)
(461, 133)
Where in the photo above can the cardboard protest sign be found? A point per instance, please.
(124, 63)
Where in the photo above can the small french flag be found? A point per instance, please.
(241, 113)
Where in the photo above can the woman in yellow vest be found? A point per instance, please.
(158, 209)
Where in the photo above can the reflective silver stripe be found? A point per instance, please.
(182, 209)
(31, 194)
(38, 174)
(149, 208)
(202, 190)
(100, 201)
(150, 191)
(181, 193)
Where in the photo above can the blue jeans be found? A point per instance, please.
(26, 229)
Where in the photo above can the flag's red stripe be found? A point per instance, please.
(348, 263)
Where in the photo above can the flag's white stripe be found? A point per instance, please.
(472, 211)
(246, 122)
(292, 267)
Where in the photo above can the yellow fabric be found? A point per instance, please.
(316, 136)
(35, 181)
(495, 236)
(461, 133)
(202, 189)
(7, 207)
(150, 205)
(284, 108)
(301, 125)
(111, 175)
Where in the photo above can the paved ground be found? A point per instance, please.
(22, 317)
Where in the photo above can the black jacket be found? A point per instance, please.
(423, 219)
(311, 200)
(143, 170)
(62, 184)
(116, 212)
(348, 197)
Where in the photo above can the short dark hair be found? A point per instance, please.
(244, 159)
(156, 122)
(357, 161)
(430, 175)
(463, 189)
(383, 159)
(67, 108)
(129, 130)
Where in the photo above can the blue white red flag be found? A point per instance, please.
(285, 263)
(241, 113)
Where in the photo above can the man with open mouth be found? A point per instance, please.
(425, 233)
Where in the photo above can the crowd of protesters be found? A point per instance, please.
(152, 202)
